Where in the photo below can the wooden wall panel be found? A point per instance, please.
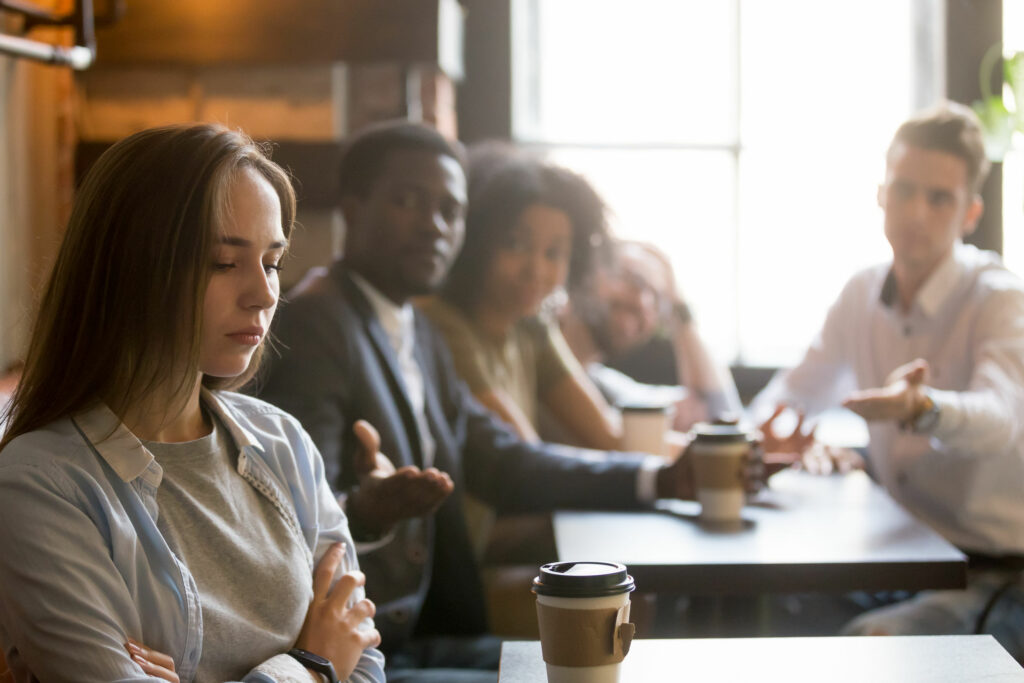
(275, 31)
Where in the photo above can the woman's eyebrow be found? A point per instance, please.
(243, 242)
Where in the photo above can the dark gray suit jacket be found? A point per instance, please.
(333, 366)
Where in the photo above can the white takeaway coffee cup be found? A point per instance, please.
(720, 455)
(644, 428)
(583, 614)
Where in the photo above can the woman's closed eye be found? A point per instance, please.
(268, 268)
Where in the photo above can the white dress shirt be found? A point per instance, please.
(966, 477)
(400, 328)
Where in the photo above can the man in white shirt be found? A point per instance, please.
(933, 346)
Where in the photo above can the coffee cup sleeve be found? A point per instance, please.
(622, 637)
(591, 637)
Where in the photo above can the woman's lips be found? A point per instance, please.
(249, 337)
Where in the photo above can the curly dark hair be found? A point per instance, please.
(505, 187)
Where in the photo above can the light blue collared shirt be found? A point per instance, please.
(83, 566)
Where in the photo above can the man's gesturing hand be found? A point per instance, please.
(386, 495)
(901, 399)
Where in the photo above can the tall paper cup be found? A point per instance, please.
(644, 428)
(583, 614)
(719, 454)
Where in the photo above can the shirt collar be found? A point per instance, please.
(396, 320)
(935, 290)
(239, 434)
(118, 447)
(124, 452)
(940, 284)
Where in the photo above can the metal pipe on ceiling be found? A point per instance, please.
(78, 57)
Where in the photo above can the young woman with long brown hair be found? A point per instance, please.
(153, 525)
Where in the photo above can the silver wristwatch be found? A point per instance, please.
(927, 421)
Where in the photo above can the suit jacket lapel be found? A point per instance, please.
(382, 346)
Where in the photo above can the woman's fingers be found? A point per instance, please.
(158, 658)
(325, 570)
(156, 670)
(364, 609)
(347, 584)
(152, 662)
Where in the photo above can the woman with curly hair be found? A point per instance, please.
(532, 229)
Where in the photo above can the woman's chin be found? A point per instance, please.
(528, 307)
(226, 370)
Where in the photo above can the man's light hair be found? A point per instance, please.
(951, 128)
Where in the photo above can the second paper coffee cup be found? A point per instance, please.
(720, 455)
(644, 428)
(583, 614)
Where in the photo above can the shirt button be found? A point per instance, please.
(399, 616)
(417, 554)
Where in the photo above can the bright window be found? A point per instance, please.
(746, 138)
(1013, 164)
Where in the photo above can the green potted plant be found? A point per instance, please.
(1001, 113)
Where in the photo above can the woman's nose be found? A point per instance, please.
(262, 291)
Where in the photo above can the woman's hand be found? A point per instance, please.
(791, 446)
(152, 662)
(332, 628)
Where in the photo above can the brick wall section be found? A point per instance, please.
(437, 98)
(385, 91)
(292, 103)
(37, 141)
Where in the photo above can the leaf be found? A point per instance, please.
(1013, 73)
(998, 124)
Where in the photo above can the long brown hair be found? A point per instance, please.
(121, 313)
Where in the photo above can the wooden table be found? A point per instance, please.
(906, 659)
(808, 534)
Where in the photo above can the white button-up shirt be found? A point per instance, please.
(399, 326)
(966, 477)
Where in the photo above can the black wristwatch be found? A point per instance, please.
(315, 663)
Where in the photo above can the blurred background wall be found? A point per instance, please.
(795, 82)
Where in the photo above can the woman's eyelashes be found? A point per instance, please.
(268, 268)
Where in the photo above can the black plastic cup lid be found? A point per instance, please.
(583, 579)
(706, 431)
(660, 408)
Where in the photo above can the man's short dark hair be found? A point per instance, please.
(366, 152)
(951, 128)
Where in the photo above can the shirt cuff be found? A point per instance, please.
(647, 479)
(280, 669)
(950, 416)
